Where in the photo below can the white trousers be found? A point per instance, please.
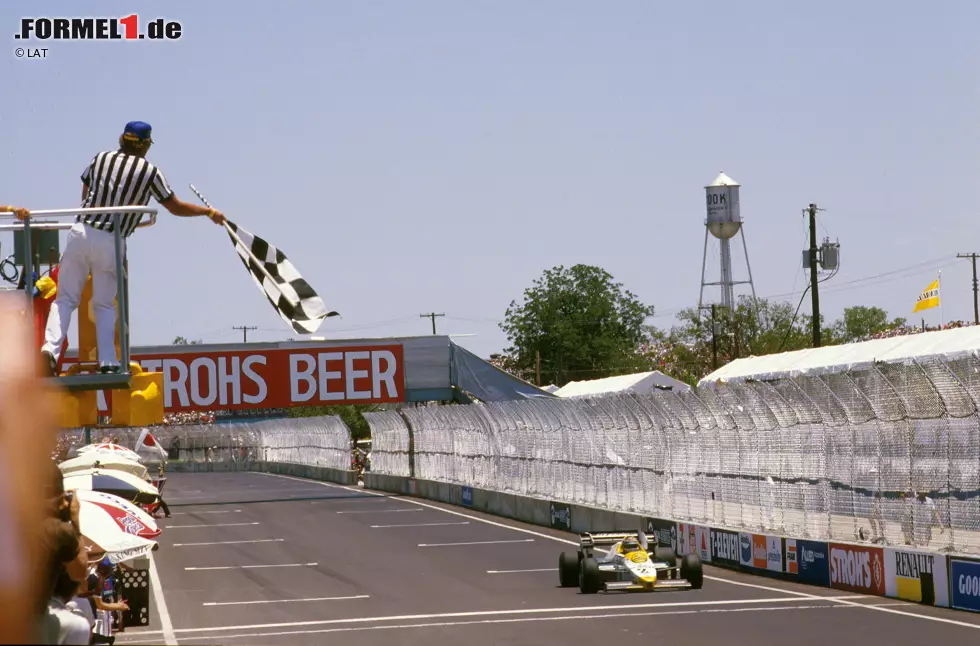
(87, 250)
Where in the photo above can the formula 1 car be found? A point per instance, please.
(627, 565)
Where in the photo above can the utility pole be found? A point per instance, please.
(812, 209)
(431, 315)
(976, 310)
(537, 367)
(245, 329)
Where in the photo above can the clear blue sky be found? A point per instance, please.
(438, 156)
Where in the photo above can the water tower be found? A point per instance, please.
(724, 222)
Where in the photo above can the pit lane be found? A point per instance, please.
(251, 558)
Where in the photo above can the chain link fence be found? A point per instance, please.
(389, 443)
(313, 441)
(889, 455)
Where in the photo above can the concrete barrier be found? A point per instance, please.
(902, 572)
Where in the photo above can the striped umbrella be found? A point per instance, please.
(122, 484)
(130, 518)
(100, 527)
(97, 459)
(113, 449)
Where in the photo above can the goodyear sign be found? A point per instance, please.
(964, 581)
(916, 576)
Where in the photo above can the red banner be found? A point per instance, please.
(276, 378)
(856, 568)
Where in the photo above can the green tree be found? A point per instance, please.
(861, 322)
(583, 324)
(181, 340)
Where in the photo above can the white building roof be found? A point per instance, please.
(641, 382)
(949, 344)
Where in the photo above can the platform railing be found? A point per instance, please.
(86, 381)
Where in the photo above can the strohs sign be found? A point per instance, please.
(276, 378)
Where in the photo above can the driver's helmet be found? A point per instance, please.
(630, 545)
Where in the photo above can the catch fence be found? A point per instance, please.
(313, 441)
(838, 456)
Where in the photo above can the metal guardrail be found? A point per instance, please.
(96, 381)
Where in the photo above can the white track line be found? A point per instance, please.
(418, 525)
(249, 567)
(376, 511)
(546, 569)
(195, 513)
(245, 603)
(217, 525)
(519, 540)
(568, 542)
(161, 603)
(496, 621)
(497, 613)
(260, 540)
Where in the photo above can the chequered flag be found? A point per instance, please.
(297, 303)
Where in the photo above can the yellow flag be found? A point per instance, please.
(929, 298)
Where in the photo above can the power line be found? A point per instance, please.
(245, 329)
(431, 315)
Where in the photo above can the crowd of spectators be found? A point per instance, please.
(189, 418)
(78, 595)
(907, 330)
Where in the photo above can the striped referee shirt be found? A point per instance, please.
(115, 178)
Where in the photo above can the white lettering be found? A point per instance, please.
(352, 375)
(178, 385)
(969, 585)
(296, 375)
(228, 378)
(325, 393)
(256, 379)
(387, 375)
(850, 568)
(197, 392)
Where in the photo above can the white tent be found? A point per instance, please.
(640, 382)
(948, 344)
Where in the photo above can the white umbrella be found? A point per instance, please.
(128, 516)
(97, 459)
(113, 449)
(99, 526)
(125, 485)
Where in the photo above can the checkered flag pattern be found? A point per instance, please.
(297, 303)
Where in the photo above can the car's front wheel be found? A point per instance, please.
(589, 576)
(568, 567)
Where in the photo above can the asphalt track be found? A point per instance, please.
(251, 558)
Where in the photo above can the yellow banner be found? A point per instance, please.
(929, 298)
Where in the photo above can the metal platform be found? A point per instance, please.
(77, 383)
(82, 382)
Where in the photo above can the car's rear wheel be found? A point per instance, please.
(589, 576)
(568, 567)
(692, 571)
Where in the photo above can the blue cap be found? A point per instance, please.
(137, 131)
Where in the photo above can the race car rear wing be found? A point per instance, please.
(592, 539)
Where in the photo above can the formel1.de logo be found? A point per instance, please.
(127, 28)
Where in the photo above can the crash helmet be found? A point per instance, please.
(630, 545)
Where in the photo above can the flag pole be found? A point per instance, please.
(942, 316)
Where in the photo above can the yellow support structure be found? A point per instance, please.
(141, 405)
